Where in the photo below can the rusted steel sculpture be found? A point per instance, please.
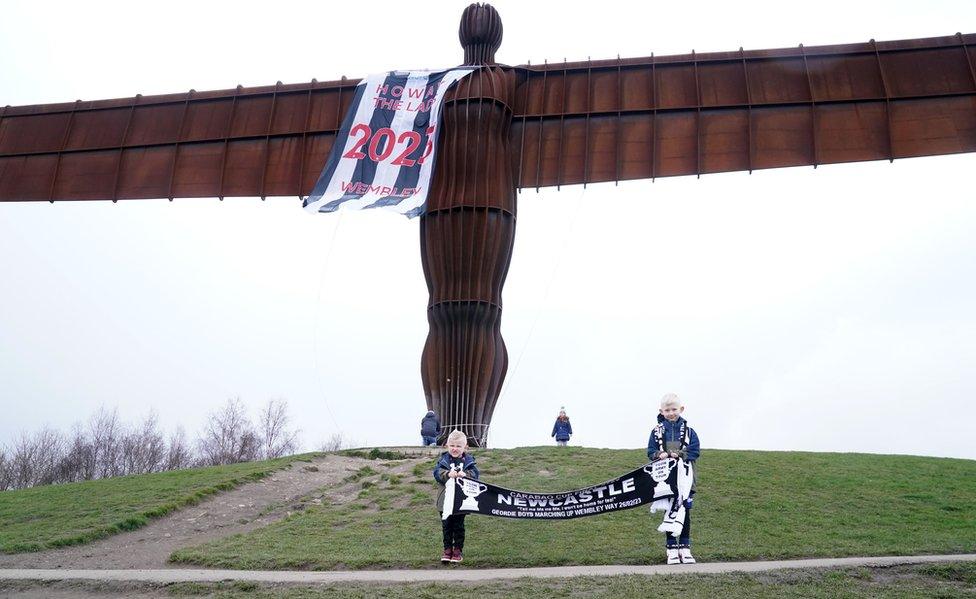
(466, 236)
(507, 128)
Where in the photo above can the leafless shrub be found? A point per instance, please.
(105, 435)
(77, 457)
(276, 438)
(104, 446)
(337, 442)
(228, 436)
(179, 455)
(34, 458)
(142, 450)
(50, 450)
(4, 471)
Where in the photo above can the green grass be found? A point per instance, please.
(899, 582)
(750, 505)
(374, 454)
(58, 515)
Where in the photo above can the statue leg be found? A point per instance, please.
(466, 253)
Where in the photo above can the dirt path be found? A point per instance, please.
(240, 510)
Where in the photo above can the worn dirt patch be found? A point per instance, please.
(243, 509)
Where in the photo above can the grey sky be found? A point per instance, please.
(825, 309)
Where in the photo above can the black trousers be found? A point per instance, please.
(453, 529)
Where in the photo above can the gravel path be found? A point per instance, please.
(458, 574)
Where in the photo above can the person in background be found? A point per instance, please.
(562, 430)
(430, 427)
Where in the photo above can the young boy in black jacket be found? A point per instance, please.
(453, 463)
(672, 437)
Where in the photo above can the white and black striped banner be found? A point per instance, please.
(384, 153)
(645, 486)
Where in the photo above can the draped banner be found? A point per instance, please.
(643, 486)
(384, 153)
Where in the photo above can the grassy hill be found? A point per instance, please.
(750, 505)
(58, 515)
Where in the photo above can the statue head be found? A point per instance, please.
(480, 33)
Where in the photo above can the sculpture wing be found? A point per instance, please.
(261, 141)
(607, 120)
(612, 120)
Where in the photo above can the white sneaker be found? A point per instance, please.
(685, 554)
(673, 557)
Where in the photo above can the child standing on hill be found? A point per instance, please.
(673, 438)
(453, 463)
(562, 430)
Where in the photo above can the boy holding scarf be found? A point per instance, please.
(673, 438)
(453, 463)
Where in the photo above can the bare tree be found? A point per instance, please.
(76, 457)
(4, 470)
(23, 465)
(104, 446)
(35, 458)
(228, 436)
(276, 438)
(178, 454)
(105, 434)
(336, 442)
(50, 451)
(142, 449)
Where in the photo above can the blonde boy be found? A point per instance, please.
(453, 463)
(672, 437)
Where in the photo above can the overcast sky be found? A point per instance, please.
(794, 309)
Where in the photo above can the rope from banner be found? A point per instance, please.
(315, 327)
(545, 294)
